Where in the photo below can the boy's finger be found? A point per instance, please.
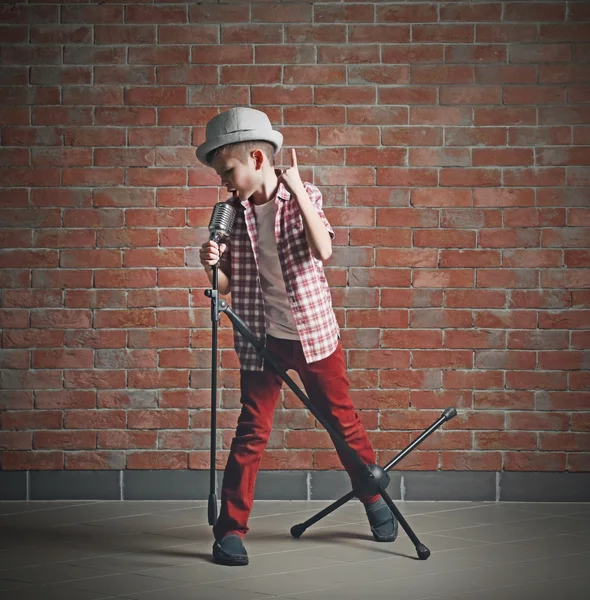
(293, 157)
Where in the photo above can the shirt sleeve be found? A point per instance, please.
(316, 199)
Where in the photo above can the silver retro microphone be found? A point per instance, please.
(222, 222)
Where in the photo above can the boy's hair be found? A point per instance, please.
(241, 150)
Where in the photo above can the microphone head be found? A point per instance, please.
(222, 221)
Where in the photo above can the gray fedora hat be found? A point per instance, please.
(239, 124)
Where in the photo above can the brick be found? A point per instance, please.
(469, 258)
(576, 258)
(375, 156)
(532, 176)
(386, 34)
(150, 96)
(433, 317)
(475, 339)
(542, 136)
(16, 440)
(563, 74)
(406, 258)
(537, 380)
(571, 237)
(525, 11)
(32, 461)
(473, 380)
(579, 381)
(469, 177)
(561, 197)
(502, 157)
(441, 74)
(501, 33)
(380, 115)
(306, 34)
(504, 197)
(580, 421)
(447, 115)
(414, 94)
(505, 116)
(540, 299)
(564, 115)
(454, 278)
(124, 75)
(505, 440)
(477, 420)
(475, 136)
(94, 55)
(445, 239)
(504, 74)
(412, 339)
(443, 33)
(315, 74)
(64, 440)
(447, 157)
(442, 359)
(60, 34)
(569, 319)
(471, 95)
(479, 54)
(315, 115)
(159, 55)
(471, 461)
(563, 360)
(532, 258)
(411, 53)
(540, 53)
(507, 278)
(506, 400)
(578, 94)
(573, 442)
(125, 34)
(562, 156)
(534, 461)
(509, 319)
(578, 463)
(578, 176)
(537, 94)
(157, 460)
(404, 136)
(348, 54)
(357, 13)
(475, 299)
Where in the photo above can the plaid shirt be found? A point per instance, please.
(304, 277)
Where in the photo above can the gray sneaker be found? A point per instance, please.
(230, 551)
(383, 524)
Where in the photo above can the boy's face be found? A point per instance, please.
(238, 177)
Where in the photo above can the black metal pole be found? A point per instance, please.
(214, 295)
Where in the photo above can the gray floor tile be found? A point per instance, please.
(51, 592)
(161, 550)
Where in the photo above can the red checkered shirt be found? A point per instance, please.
(305, 282)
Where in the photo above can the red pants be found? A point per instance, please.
(327, 388)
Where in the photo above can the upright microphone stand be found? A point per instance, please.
(372, 479)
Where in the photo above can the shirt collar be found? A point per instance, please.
(282, 192)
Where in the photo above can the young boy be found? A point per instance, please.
(273, 267)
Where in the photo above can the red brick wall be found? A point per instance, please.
(451, 142)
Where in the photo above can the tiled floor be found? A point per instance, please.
(162, 551)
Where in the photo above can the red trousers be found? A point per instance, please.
(326, 385)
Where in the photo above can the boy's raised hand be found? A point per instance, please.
(290, 177)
